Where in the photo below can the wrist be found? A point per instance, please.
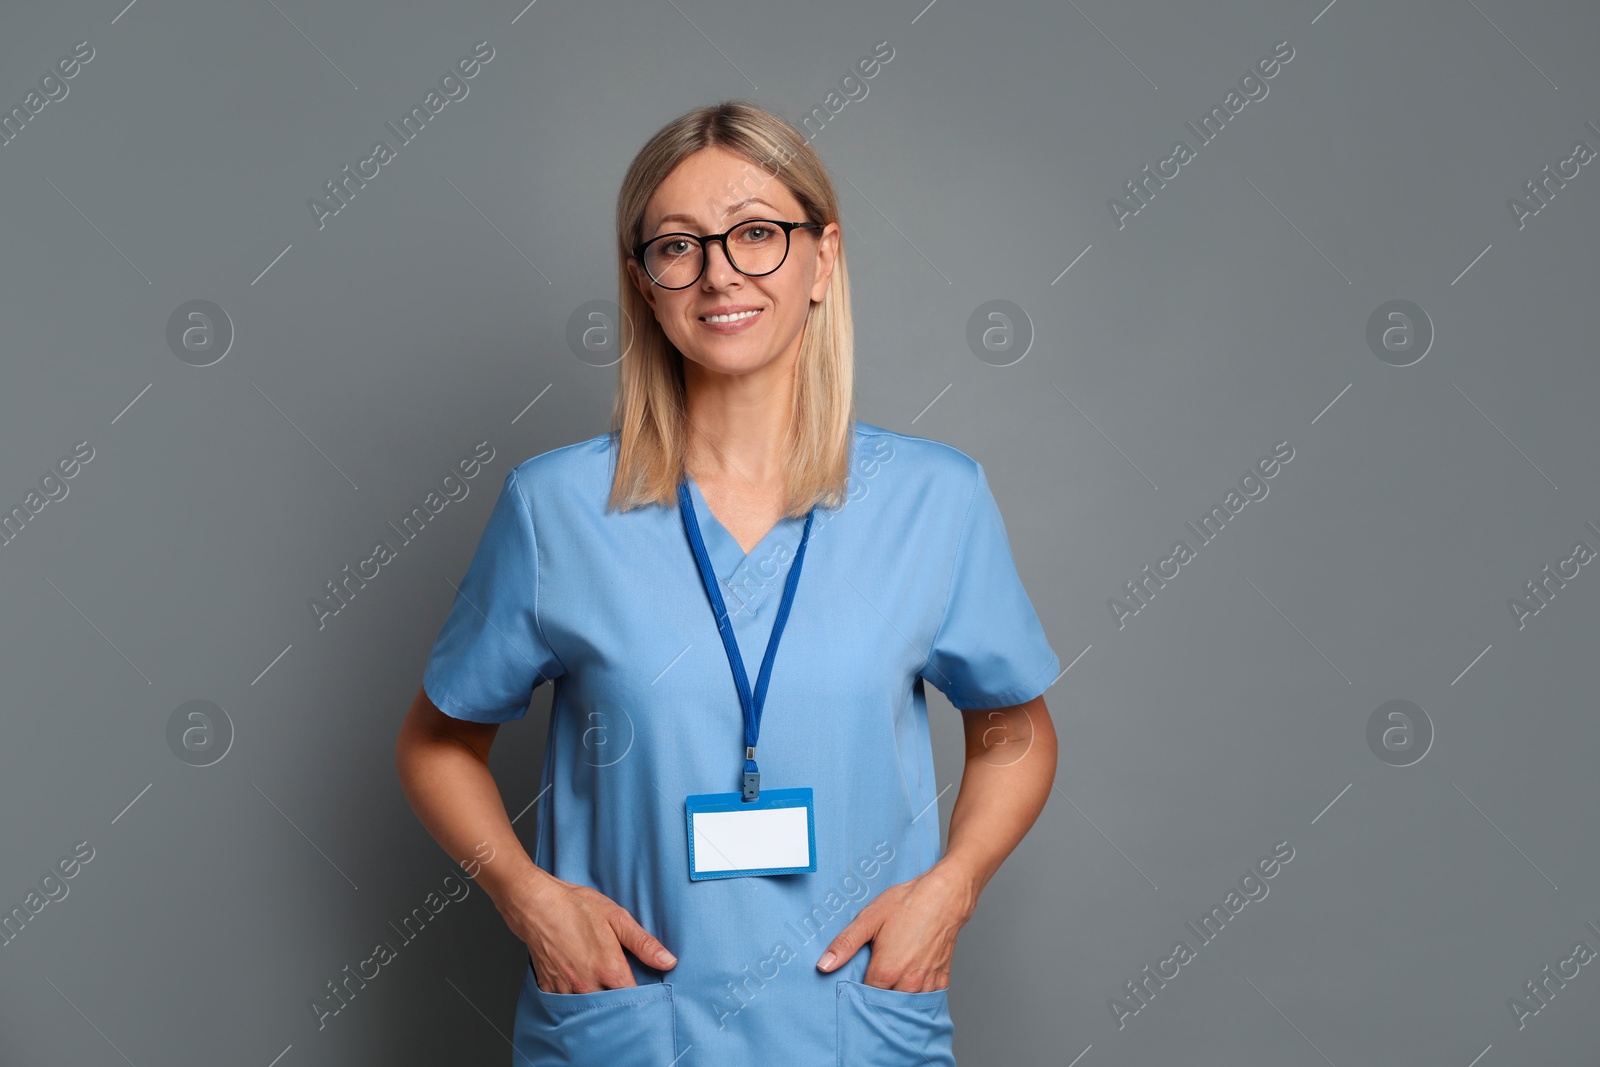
(513, 887)
(963, 878)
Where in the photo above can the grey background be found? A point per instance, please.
(1228, 315)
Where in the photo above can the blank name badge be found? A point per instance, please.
(730, 837)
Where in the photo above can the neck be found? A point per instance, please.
(738, 423)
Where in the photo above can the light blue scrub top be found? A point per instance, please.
(912, 579)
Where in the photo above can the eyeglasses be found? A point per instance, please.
(754, 248)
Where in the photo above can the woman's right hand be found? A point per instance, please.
(576, 936)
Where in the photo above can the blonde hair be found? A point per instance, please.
(648, 418)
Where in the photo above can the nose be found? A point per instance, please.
(719, 268)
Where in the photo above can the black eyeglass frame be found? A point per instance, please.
(705, 240)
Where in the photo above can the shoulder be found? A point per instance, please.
(563, 469)
(926, 464)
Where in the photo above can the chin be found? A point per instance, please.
(730, 363)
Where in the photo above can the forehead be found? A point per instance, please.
(711, 185)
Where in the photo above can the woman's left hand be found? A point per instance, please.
(912, 926)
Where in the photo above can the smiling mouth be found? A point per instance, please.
(735, 317)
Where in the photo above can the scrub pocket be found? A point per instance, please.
(890, 1028)
(629, 1027)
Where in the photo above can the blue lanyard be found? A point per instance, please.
(750, 705)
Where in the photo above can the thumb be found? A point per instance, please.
(638, 941)
(848, 941)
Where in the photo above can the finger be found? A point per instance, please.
(848, 941)
(618, 975)
(637, 940)
(879, 980)
(550, 980)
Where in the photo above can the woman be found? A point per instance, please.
(692, 900)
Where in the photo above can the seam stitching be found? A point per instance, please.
(533, 535)
(950, 585)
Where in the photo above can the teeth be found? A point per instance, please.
(732, 318)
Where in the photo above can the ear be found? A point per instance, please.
(640, 282)
(827, 253)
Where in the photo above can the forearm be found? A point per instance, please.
(1010, 766)
(456, 799)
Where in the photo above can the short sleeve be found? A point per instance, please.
(490, 653)
(991, 650)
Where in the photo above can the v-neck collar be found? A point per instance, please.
(721, 546)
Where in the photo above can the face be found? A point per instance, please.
(708, 192)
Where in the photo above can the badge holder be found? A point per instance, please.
(736, 835)
(730, 837)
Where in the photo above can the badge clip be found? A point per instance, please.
(752, 776)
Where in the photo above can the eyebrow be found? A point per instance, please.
(729, 211)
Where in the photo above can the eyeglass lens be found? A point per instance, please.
(755, 247)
